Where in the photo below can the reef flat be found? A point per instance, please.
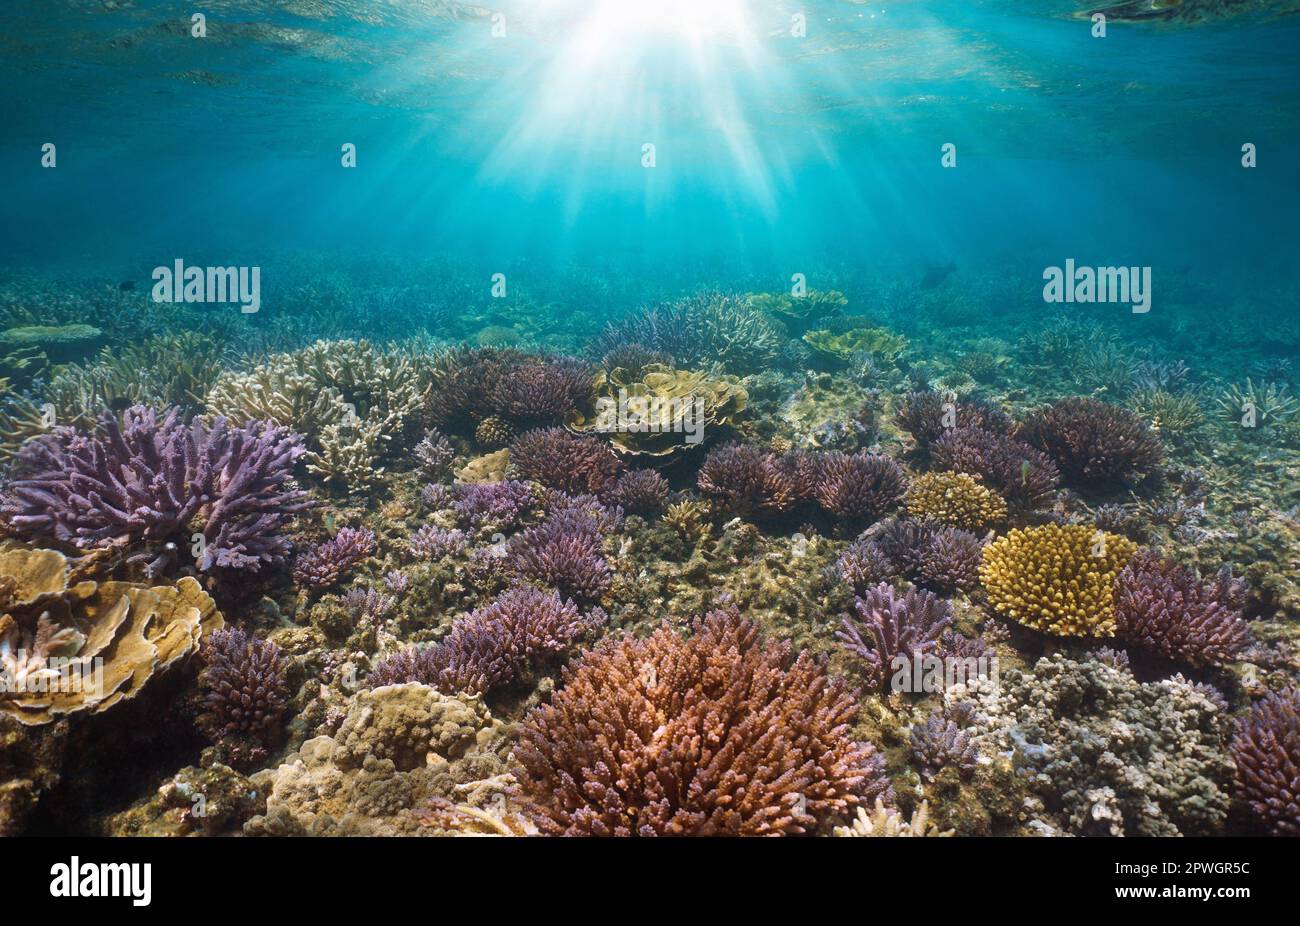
(390, 555)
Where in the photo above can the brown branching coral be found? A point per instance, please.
(721, 733)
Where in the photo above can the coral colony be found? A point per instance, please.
(801, 542)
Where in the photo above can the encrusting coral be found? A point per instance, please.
(396, 748)
(717, 733)
(1057, 579)
(1116, 756)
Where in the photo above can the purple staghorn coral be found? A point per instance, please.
(543, 390)
(155, 482)
(567, 462)
(1266, 750)
(325, 563)
(499, 504)
(563, 552)
(928, 415)
(941, 743)
(907, 625)
(244, 688)
(1094, 443)
(857, 487)
(1023, 476)
(639, 491)
(1165, 607)
(432, 542)
(748, 480)
(492, 646)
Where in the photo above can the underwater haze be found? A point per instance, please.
(708, 417)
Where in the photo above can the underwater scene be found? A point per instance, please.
(650, 417)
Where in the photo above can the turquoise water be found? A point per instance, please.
(773, 153)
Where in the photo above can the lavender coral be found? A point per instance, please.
(244, 688)
(940, 743)
(500, 505)
(325, 563)
(153, 482)
(432, 542)
(857, 487)
(1022, 475)
(907, 625)
(720, 733)
(748, 480)
(1094, 443)
(492, 646)
(1266, 750)
(567, 462)
(563, 552)
(639, 491)
(928, 415)
(1166, 608)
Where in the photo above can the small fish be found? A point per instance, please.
(120, 403)
(126, 286)
(936, 275)
(1024, 472)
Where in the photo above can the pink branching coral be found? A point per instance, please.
(492, 646)
(567, 462)
(1166, 608)
(907, 625)
(1266, 750)
(1094, 443)
(719, 733)
(244, 688)
(325, 563)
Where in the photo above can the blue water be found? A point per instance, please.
(773, 153)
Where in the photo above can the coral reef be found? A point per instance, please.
(955, 499)
(1166, 608)
(396, 748)
(68, 647)
(325, 563)
(493, 646)
(901, 627)
(1094, 443)
(1112, 755)
(244, 688)
(567, 462)
(1023, 476)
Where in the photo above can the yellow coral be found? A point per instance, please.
(690, 518)
(956, 499)
(844, 345)
(1057, 578)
